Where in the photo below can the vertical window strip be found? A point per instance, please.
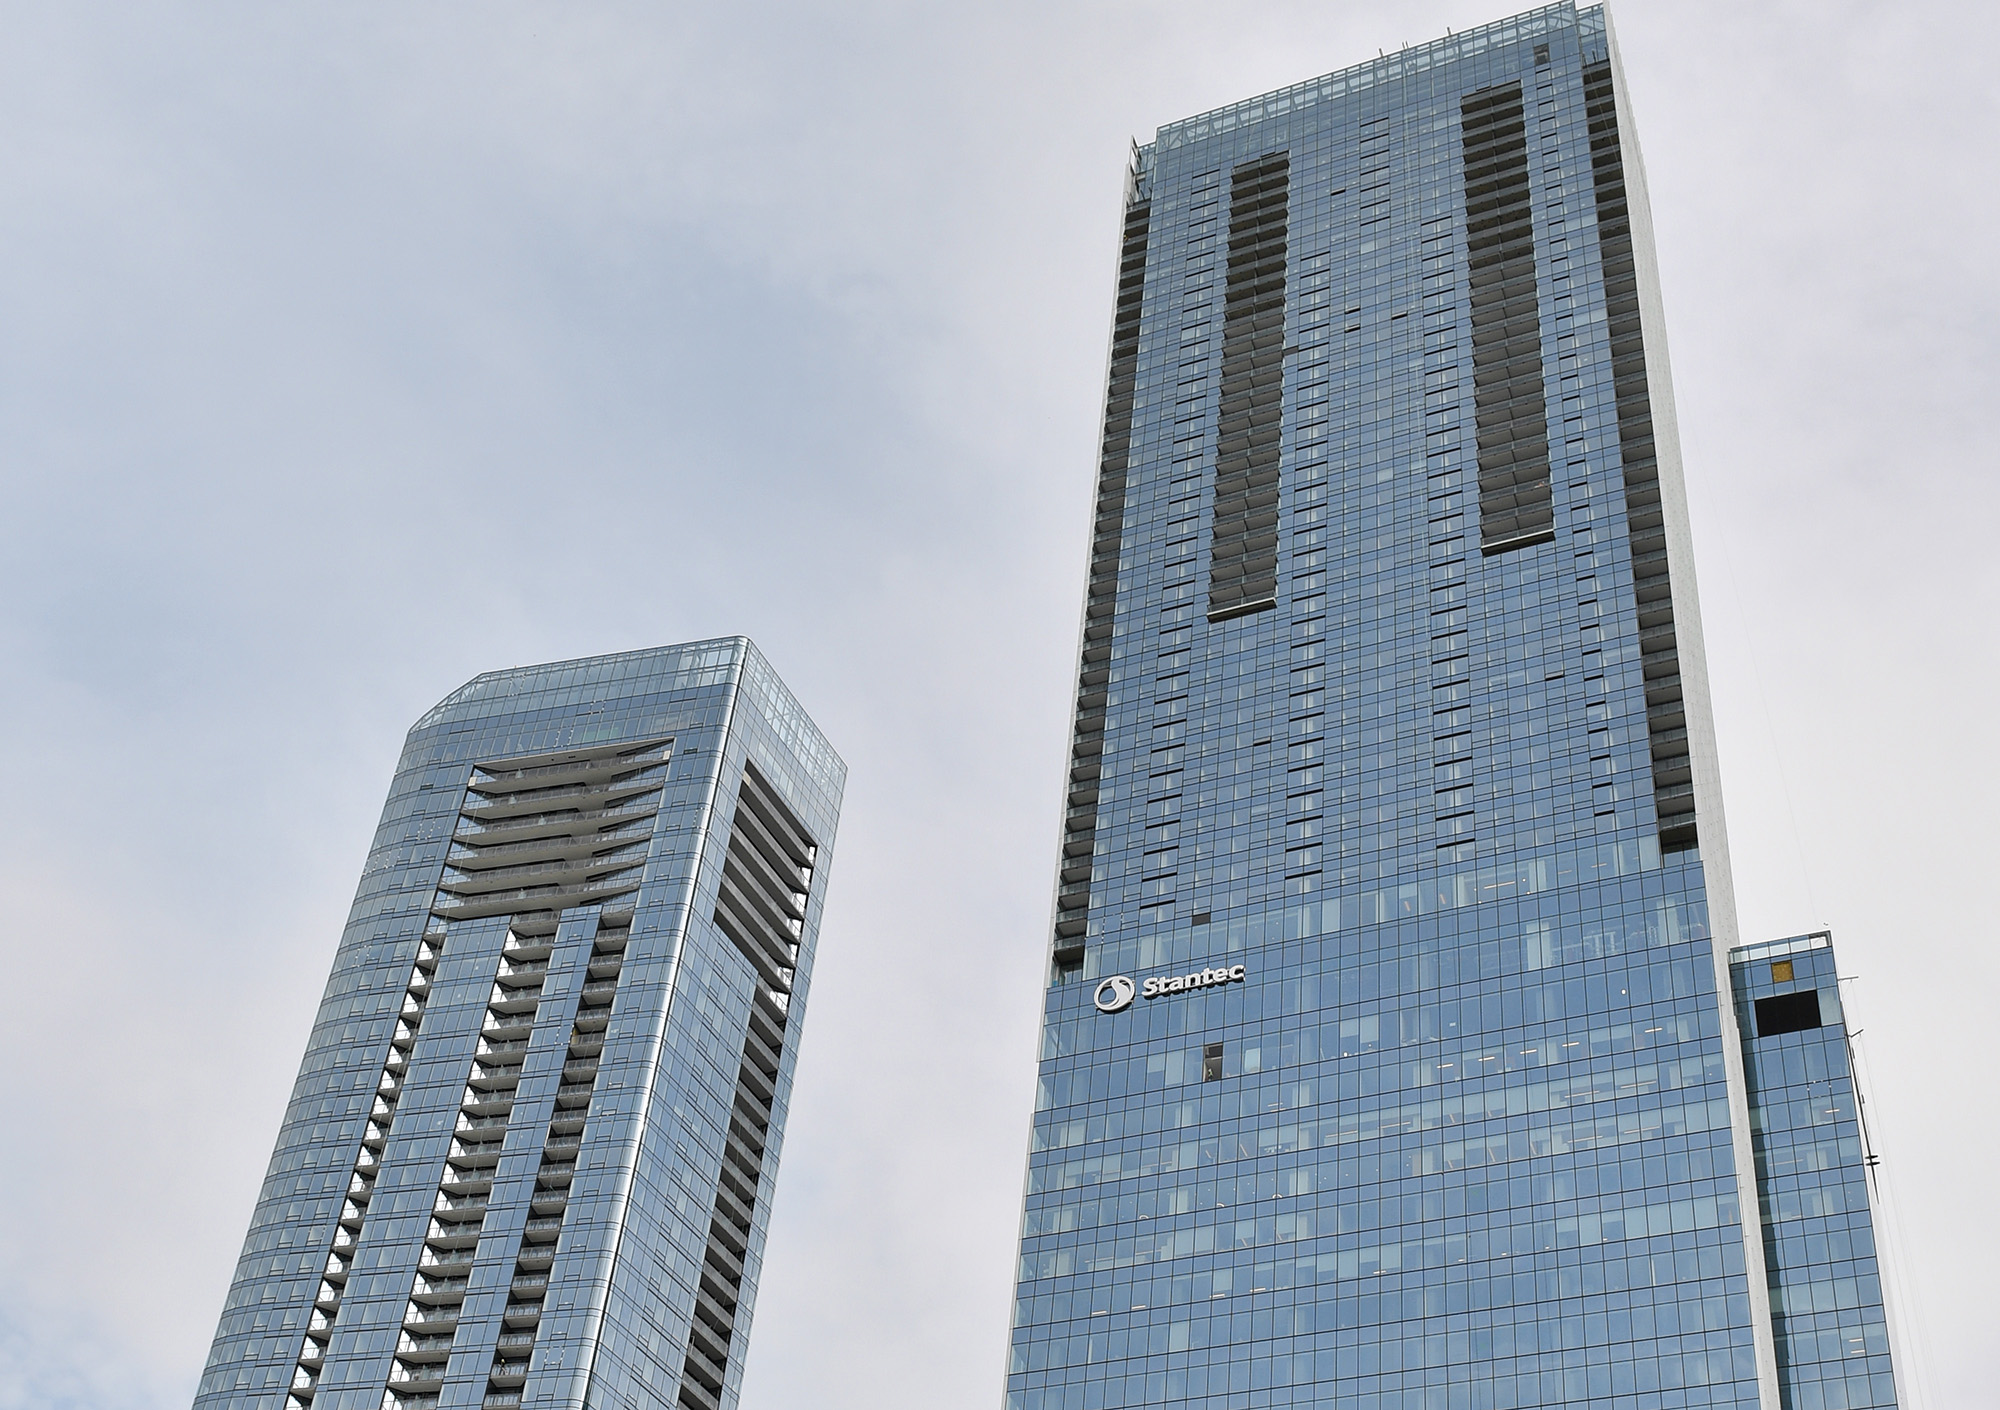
(1666, 713)
(367, 1164)
(1101, 602)
(767, 874)
(1509, 399)
(535, 837)
(1243, 534)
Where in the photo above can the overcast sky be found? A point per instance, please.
(349, 350)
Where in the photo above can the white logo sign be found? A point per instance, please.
(1118, 991)
(1200, 979)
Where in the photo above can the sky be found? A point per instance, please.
(347, 351)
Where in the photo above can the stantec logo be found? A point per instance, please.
(1112, 994)
(1117, 991)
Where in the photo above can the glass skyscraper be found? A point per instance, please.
(529, 1155)
(1813, 1176)
(1390, 1054)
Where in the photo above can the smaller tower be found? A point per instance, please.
(530, 1151)
(1815, 1172)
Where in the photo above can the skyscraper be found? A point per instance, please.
(1389, 1055)
(529, 1154)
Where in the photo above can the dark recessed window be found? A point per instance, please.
(1508, 398)
(1788, 1013)
(1243, 533)
(1211, 1062)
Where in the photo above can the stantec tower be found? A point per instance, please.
(529, 1156)
(1400, 1052)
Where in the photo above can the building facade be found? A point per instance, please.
(529, 1155)
(1813, 1176)
(1389, 1057)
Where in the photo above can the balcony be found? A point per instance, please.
(516, 1005)
(418, 1348)
(503, 1027)
(438, 1292)
(508, 1375)
(416, 1378)
(475, 1155)
(488, 1103)
(443, 1236)
(494, 802)
(591, 765)
(549, 1202)
(499, 831)
(542, 898)
(567, 847)
(465, 1178)
(416, 1394)
(496, 1079)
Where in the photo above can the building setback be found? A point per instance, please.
(1814, 1178)
(529, 1156)
(1390, 1057)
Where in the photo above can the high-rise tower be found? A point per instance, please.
(529, 1155)
(1389, 1056)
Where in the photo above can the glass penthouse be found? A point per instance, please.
(529, 1155)
(1389, 1056)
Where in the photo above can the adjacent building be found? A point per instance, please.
(529, 1155)
(1391, 1056)
(1814, 1176)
